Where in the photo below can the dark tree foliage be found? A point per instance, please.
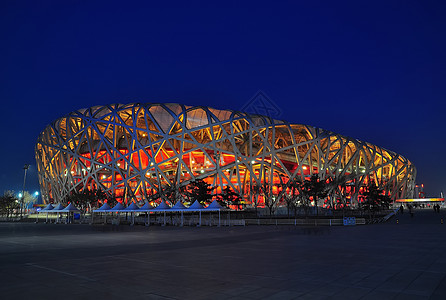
(294, 193)
(266, 190)
(8, 203)
(170, 193)
(315, 188)
(198, 190)
(255, 192)
(184, 193)
(87, 199)
(112, 201)
(229, 197)
(375, 198)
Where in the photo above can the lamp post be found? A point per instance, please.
(25, 167)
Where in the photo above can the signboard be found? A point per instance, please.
(349, 221)
(421, 200)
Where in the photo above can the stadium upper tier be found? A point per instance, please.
(133, 151)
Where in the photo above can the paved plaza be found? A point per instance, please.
(394, 260)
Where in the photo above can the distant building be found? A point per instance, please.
(134, 151)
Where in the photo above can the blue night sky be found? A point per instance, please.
(373, 71)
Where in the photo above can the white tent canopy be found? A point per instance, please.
(46, 210)
(131, 208)
(118, 207)
(146, 207)
(214, 206)
(105, 207)
(49, 207)
(179, 206)
(70, 208)
(59, 207)
(196, 206)
(162, 207)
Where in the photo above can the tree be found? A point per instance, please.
(8, 203)
(255, 192)
(268, 198)
(385, 201)
(80, 200)
(229, 197)
(338, 189)
(112, 201)
(170, 193)
(87, 199)
(294, 192)
(375, 198)
(198, 190)
(28, 199)
(315, 188)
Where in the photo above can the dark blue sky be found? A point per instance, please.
(375, 72)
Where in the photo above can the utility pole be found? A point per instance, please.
(23, 191)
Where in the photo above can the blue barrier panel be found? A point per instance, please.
(349, 221)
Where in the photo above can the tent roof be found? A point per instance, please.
(163, 206)
(214, 206)
(179, 206)
(70, 207)
(131, 207)
(196, 206)
(104, 207)
(117, 207)
(59, 207)
(47, 208)
(146, 207)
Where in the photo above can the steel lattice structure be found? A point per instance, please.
(135, 150)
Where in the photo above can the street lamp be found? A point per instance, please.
(36, 195)
(25, 167)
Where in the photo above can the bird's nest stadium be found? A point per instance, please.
(134, 151)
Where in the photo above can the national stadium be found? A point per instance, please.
(134, 151)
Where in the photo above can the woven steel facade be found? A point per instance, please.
(134, 151)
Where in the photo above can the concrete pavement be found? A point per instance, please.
(394, 260)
